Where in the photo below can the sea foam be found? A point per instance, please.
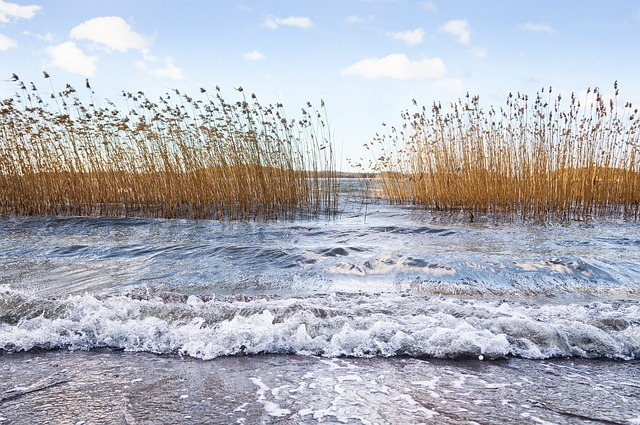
(360, 325)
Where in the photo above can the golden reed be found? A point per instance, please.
(537, 158)
(179, 157)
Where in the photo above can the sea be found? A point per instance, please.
(380, 314)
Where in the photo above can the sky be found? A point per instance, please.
(366, 59)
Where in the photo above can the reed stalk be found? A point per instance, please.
(178, 157)
(535, 158)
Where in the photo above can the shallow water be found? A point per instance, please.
(121, 388)
(405, 295)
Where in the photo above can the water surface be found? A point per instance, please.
(405, 298)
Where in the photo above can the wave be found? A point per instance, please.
(332, 325)
(73, 255)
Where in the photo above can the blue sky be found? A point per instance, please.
(367, 59)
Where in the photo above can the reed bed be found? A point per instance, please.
(179, 157)
(535, 158)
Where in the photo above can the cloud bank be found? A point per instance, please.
(112, 32)
(10, 11)
(69, 57)
(13, 10)
(396, 66)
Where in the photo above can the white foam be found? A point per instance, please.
(354, 325)
(270, 407)
(406, 398)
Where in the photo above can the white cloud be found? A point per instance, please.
(409, 37)
(147, 57)
(273, 22)
(396, 66)
(48, 37)
(429, 6)
(448, 85)
(13, 10)
(169, 71)
(7, 43)
(112, 32)
(537, 27)
(354, 19)
(146, 54)
(69, 57)
(479, 52)
(459, 28)
(253, 55)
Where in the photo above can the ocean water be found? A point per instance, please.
(382, 314)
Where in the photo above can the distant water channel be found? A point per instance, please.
(381, 315)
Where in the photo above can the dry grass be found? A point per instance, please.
(537, 159)
(179, 157)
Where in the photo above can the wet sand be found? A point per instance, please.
(115, 387)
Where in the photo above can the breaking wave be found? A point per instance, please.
(339, 324)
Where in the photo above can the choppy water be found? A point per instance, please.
(388, 284)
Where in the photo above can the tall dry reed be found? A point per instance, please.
(177, 157)
(536, 158)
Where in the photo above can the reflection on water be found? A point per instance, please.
(394, 249)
